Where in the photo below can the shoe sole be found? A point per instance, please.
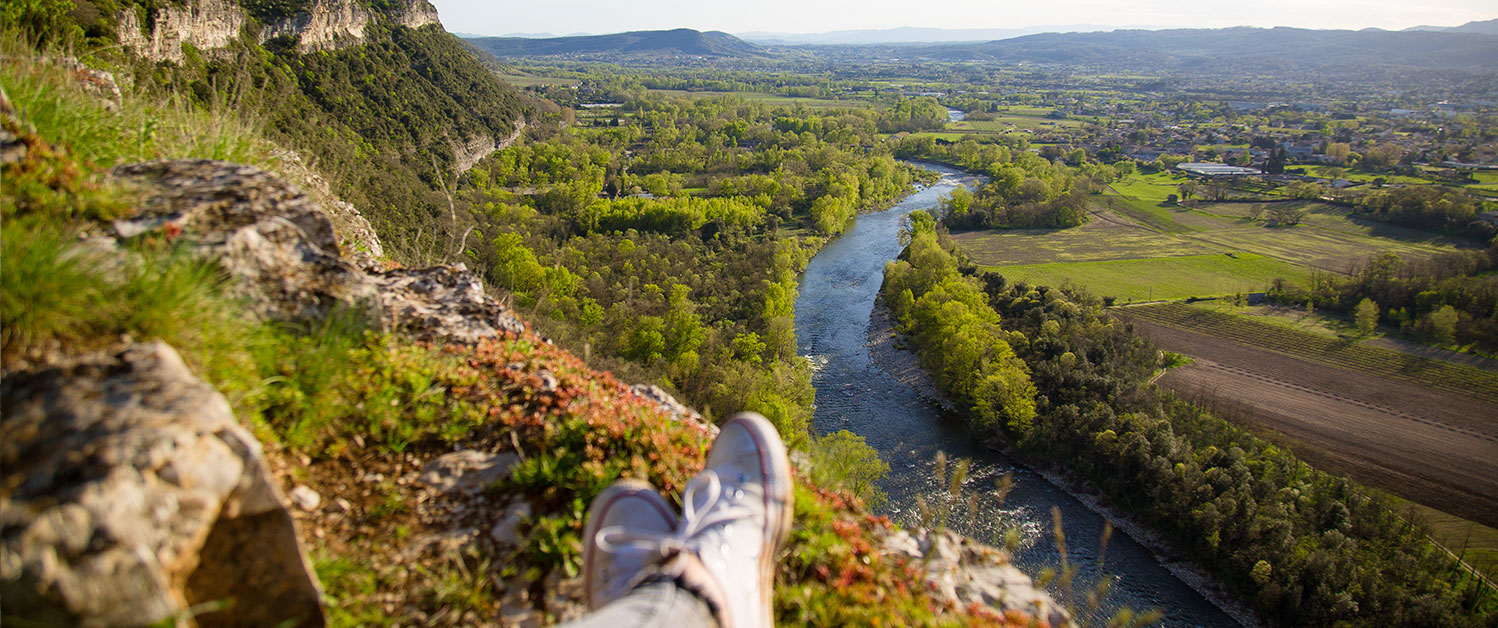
(597, 512)
(775, 464)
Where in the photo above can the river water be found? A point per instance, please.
(867, 391)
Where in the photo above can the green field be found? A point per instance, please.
(1440, 375)
(1486, 182)
(771, 99)
(524, 80)
(1206, 249)
(1161, 278)
(1326, 172)
(1008, 123)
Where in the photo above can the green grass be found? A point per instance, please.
(143, 128)
(1477, 544)
(1005, 124)
(1323, 171)
(1161, 278)
(1335, 352)
(523, 80)
(770, 99)
(1486, 182)
(1298, 319)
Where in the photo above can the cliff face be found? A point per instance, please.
(213, 24)
(327, 25)
(205, 25)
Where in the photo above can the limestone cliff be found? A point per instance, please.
(213, 24)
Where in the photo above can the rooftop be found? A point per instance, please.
(1217, 170)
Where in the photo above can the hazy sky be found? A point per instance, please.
(562, 17)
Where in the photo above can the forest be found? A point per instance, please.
(668, 247)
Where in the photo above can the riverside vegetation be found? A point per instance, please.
(1065, 382)
(702, 284)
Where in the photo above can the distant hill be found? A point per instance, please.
(909, 34)
(681, 41)
(1485, 27)
(1280, 47)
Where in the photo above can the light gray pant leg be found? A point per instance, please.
(659, 603)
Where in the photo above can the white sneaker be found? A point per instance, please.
(737, 518)
(626, 508)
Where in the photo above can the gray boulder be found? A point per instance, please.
(130, 494)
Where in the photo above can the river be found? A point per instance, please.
(867, 388)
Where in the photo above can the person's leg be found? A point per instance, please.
(717, 566)
(655, 603)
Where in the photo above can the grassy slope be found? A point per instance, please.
(335, 402)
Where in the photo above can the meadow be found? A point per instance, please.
(1136, 246)
(1161, 278)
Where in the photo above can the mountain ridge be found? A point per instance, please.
(1236, 45)
(679, 41)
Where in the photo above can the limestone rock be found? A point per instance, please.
(305, 498)
(440, 303)
(325, 25)
(204, 24)
(467, 471)
(282, 251)
(416, 13)
(507, 531)
(668, 404)
(97, 83)
(468, 154)
(128, 493)
(268, 235)
(356, 237)
(964, 572)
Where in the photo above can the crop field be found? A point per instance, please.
(1007, 123)
(1439, 375)
(1161, 277)
(1418, 428)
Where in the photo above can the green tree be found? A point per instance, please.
(843, 459)
(1366, 316)
(1440, 325)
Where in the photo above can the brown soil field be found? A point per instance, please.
(1436, 449)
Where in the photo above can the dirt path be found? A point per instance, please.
(1436, 449)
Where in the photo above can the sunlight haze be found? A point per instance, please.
(786, 16)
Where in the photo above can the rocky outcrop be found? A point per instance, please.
(279, 246)
(669, 406)
(356, 237)
(327, 25)
(131, 494)
(282, 251)
(415, 13)
(470, 153)
(965, 573)
(213, 24)
(203, 24)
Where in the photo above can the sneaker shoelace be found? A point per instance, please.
(719, 507)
